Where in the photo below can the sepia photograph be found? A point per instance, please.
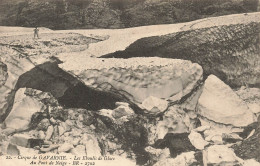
(129, 82)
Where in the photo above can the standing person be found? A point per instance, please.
(36, 32)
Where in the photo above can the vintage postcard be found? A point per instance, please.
(129, 82)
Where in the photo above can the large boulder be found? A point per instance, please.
(219, 103)
(219, 155)
(136, 78)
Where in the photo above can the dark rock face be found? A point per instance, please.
(250, 148)
(176, 142)
(3, 73)
(230, 52)
(69, 14)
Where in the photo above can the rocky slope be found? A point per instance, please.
(59, 97)
(69, 14)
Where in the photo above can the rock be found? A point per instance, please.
(80, 118)
(3, 73)
(251, 96)
(184, 159)
(61, 130)
(49, 132)
(218, 128)
(69, 123)
(201, 128)
(219, 155)
(251, 133)
(76, 132)
(158, 154)
(122, 104)
(250, 162)
(66, 125)
(91, 144)
(65, 147)
(23, 109)
(113, 147)
(136, 78)
(53, 121)
(79, 150)
(122, 111)
(197, 141)
(231, 137)
(190, 104)
(220, 104)
(175, 120)
(249, 148)
(217, 139)
(154, 105)
(106, 112)
(75, 141)
(176, 142)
